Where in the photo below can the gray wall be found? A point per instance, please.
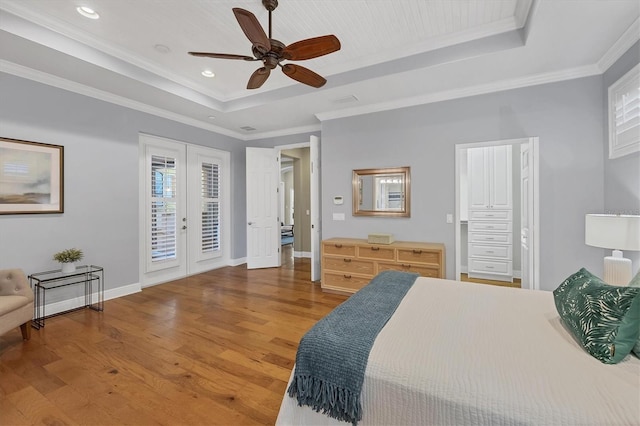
(621, 175)
(101, 178)
(566, 116)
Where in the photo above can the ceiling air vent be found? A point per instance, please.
(248, 128)
(345, 99)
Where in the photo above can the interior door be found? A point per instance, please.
(315, 208)
(526, 216)
(263, 239)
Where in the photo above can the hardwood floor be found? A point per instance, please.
(515, 284)
(215, 348)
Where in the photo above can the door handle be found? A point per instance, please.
(184, 227)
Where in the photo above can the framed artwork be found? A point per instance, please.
(31, 177)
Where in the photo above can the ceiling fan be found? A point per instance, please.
(272, 52)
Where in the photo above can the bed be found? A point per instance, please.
(466, 354)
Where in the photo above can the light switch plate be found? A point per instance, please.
(338, 216)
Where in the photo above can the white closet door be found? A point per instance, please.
(501, 192)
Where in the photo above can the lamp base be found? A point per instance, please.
(617, 269)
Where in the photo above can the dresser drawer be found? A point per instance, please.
(343, 282)
(376, 252)
(482, 237)
(339, 249)
(490, 215)
(487, 250)
(418, 256)
(424, 271)
(490, 266)
(497, 226)
(346, 264)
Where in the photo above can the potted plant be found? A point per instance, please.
(68, 258)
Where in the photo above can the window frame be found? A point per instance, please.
(623, 85)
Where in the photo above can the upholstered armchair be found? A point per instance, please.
(16, 302)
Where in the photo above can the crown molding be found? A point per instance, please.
(284, 132)
(516, 83)
(61, 83)
(29, 18)
(624, 43)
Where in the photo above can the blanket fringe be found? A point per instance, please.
(334, 401)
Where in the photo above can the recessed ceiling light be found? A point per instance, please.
(208, 73)
(87, 12)
(162, 48)
(211, 117)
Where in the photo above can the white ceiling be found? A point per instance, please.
(394, 53)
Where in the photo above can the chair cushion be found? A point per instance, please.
(11, 303)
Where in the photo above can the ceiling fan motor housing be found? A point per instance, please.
(270, 5)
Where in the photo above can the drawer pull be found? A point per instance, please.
(417, 251)
(347, 260)
(490, 251)
(405, 266)
(490, 238)
(489, 267)
(490, 215)
(489, 227)
(375, 248)
(347, 276)
(338, 245)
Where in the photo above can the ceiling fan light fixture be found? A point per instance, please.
(87, 12)
(208, 73)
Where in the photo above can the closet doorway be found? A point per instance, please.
(496, 228)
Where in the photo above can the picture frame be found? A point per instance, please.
(31, 177)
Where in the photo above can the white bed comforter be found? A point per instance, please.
(457, 353)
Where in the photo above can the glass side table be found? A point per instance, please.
(91, 276)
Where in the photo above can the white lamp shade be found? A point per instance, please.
(616, 232)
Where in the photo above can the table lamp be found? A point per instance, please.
(617, 232)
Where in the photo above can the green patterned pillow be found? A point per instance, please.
(604, 318)
(635, 282)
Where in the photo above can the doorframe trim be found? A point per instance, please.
(535, 200)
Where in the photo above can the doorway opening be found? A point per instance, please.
(497, 232)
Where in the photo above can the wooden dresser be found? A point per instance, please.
(348, 264)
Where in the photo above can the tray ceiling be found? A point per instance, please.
(394, 53)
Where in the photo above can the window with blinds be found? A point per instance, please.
(210, 205)
(624, 114)
(163, 208)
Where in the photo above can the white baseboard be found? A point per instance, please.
(306, 254)
(76, 302)
(238, 262)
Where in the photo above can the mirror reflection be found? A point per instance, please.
(381, 192)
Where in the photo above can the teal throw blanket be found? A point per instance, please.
(332, 356)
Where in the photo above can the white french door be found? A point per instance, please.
(184, 209)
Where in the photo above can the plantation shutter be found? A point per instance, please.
(624, 122)
(210, 208)
(163, 208)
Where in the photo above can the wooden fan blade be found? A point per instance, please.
(258, 78)
(311, 48)
(303, 75)
(252, 29)
(222, 56)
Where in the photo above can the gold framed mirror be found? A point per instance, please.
(382, 192)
